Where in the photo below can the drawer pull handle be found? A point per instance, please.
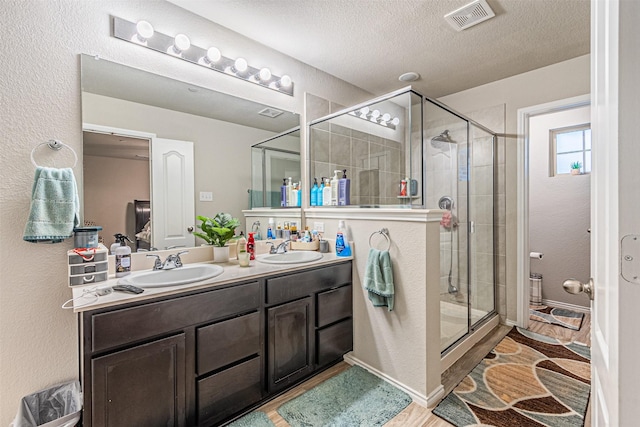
(89, 278)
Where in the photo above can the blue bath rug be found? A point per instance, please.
(253, 419)
(353, 398)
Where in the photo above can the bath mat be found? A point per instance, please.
(528, 379)
(556, 316)
(355, 397)
(253, 419)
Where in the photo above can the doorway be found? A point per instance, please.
(549, 200)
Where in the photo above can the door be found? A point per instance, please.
(289, 351)
(140, 386)
(172, 193)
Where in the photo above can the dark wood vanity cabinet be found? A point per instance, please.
(203, 357)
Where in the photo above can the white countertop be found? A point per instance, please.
(85, 300)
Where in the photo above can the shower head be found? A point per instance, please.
(440, 141)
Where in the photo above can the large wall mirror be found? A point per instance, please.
(158, 151)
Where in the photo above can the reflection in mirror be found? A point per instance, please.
(158, 152)
(272, 161)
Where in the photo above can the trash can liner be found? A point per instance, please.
(57, 406)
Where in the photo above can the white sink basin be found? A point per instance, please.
(177, 276)
(291, 257)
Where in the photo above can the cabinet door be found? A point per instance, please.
(140, 386)
(289, 343)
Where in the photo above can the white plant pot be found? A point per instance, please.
(220, 254)
(575, 171)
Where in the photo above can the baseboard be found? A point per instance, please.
(567, 306)
(426, 401)
(510, 323)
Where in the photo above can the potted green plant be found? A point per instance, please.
(217, 231)
(575, 168)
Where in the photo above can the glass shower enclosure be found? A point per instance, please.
(404, 150)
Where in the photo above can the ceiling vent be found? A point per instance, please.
(469, 15)
(270, 112)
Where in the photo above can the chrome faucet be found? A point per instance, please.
(280, 249)
(172, 261)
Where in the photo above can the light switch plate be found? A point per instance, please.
(206, 196)
(319, 227)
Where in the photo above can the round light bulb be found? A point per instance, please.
(240, 65)
(364, 111)
(285, 81)
(386, 117)
(182, 42)
(144, 29)
(265, 74)
(395, 121)
(375, 114)
(213, 54)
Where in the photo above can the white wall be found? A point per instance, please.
(40, 89)
(559, 81)
(559, 212)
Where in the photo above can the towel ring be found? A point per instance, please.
(385, 233)
(54, 144)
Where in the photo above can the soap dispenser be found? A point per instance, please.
(320, 192)
(344, 190)
(123, 257)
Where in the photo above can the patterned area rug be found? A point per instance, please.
(253, 419)
(527, 380)
(355, 397)
(556, 316)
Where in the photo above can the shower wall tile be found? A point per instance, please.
(319, 143)
(340, 150)
(316, 107)
(482, 180)
(482, 209)
(501, 278)
(502, 238)
(483, 239)
(483, 151)
(360, 153)
(340, 130)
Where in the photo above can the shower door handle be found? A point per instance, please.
(574, 286)
(472, 227)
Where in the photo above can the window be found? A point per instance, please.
(569, 146)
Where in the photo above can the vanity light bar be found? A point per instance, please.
(143, 34)
(375, 116)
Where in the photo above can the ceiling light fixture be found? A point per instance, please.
(376, 117)
(142, 33)
(411, 76)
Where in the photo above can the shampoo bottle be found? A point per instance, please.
(290, 192)
(321, 191)
(344, 190)
(299, 196)
(334, 188)
(343, 248)
(294, 195)
(123, 257)
(326, 193)
(313, 199)
(283, 193)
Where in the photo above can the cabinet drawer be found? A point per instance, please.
(334, 305)
(119, 327)
(223, 343)
(334, 341)
(228, 392)
(298, 285)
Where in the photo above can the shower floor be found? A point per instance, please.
(453, 322)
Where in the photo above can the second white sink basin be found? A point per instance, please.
(291, 257)
(175, 277)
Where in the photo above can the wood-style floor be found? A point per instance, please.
(415, 415)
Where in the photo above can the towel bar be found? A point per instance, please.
(54, 144)
(385, 233)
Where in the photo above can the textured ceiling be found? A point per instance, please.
(369, 43)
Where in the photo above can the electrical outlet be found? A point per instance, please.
(319, 227)
(206, 196)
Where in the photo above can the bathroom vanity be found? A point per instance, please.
(203, 356)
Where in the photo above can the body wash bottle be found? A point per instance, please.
(344, 190)
(321, 192)
(334, 188)
(313, 199)
(283, 193)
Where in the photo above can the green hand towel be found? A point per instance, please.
(55, 206)
(378, 279)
